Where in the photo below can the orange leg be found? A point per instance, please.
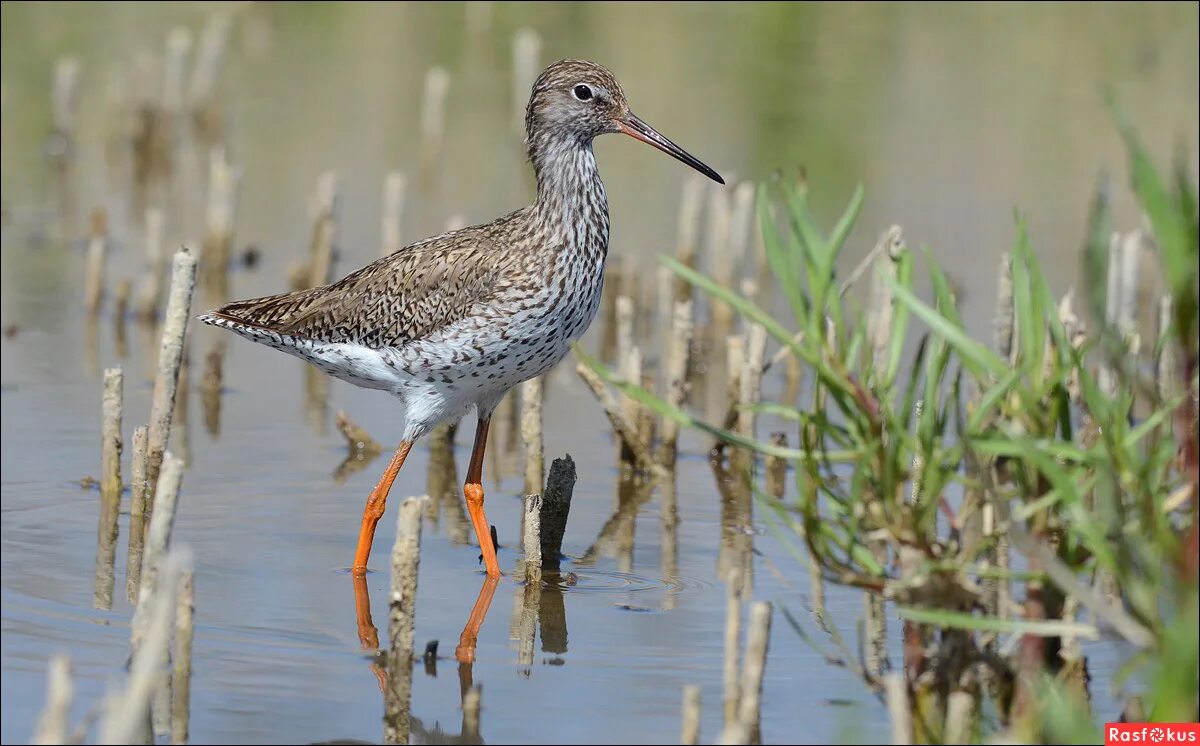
(473, 490)
(376, 504)
(465, 652)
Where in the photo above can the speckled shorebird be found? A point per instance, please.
(456, 320)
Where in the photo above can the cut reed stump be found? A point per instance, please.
(110, 488)
(554, 510)
(97, 258)
(182, 679)
(137, 515)
(690, 732)
(744, 728)
(406, 558)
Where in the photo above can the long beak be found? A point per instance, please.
(639, 130)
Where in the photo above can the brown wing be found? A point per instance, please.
(401, 297)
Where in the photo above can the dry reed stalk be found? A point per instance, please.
(97, 258)
(53, 723)
(526, 613)
(181, 681)
(688, 230)
(110, 488)
(65, 101)
(137, 514)
(320, 259)
(157, 542)
(150, 292)
(127, 714)
(532, 396)
(211, 385)
(433, 122)
(898, 709)
(678, 349)
(631, 371)
(527, 48)
(202, 92)
(626, 430)
(394, 187)
(1166, 367)
(625, 310)
(1002, 323)
(750, 385)
(223, 182)
(747, 727)
(170, 358)
(121, 304)
(690, 731)
(406, 558)
(720, 259)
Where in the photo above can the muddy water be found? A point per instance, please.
(950, 117)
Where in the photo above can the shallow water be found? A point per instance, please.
(950, 116)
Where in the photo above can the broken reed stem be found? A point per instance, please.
(127, 715)
(690, 731)
(406, 559)
(110, 488)
(223, 181)
(97, 258)
(157, 542)
(320, 260)
(527, 48)
(733, 633)
(137, 514)
(678, 349)
(394, 187)
(625, 430)
(555, 509)
(751, 378)
(470, 705)
(60, 691)
(531, 434)
(688, 229)
(898, 709)
(433, 121)
(170, 357)
(531, 539)
(150, 292)
(749, 714)
(181, 681)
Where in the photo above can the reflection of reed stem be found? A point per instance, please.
(733, 632)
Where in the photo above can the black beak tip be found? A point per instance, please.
(715, 177)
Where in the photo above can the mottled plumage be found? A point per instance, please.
(457, 320)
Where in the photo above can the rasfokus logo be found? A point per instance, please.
(1151, 733)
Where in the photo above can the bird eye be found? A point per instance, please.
(582, 92)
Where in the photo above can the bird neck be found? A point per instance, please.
(571, 197)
